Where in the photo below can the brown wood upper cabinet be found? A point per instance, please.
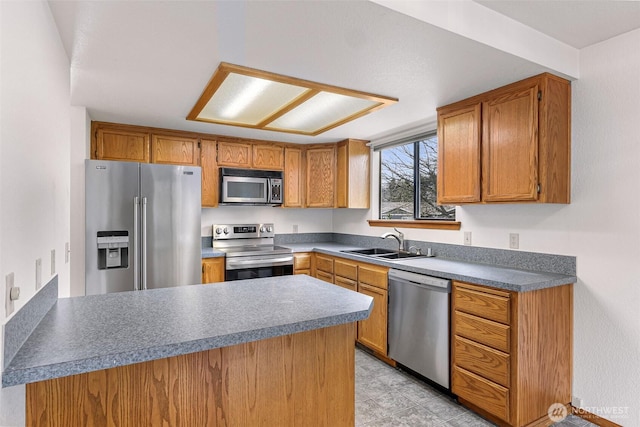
(175, 150)
(321, 176)
(209, 173)
(120, 144)
(293, 177)
(268, 156)
(352, 182)
(511, 144)
(234, 154)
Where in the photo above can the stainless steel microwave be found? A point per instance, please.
(250, 187)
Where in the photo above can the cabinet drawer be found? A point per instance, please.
(483, 304)
(484, 331)
(483, 393)
(482, 360)
(302, 261)
(352, 285)
(373, 275)
(346, 269)
(324, 264)
(324, 276)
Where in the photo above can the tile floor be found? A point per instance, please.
(388, 397)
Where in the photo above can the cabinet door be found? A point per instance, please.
(352, 174)
(293, 178)
(114, 144)
(268, 156)
(510, 146)
(302, 263)
(373, 331)
(174, 150)
(459, 155)
(234, 154)
(320, 188)
(213, 270)
(209, 173)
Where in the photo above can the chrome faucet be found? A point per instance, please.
(399, 238)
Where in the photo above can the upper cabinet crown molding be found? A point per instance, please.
(511, 144)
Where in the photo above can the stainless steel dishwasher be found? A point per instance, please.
(419, 324)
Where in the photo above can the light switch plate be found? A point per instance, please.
(8, 302)
(514, 240)
(53, 262)
(295, 228)
(38, 273)
(467, 238)
(66, 253)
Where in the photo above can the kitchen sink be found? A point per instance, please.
(382, 253)
(372, 251)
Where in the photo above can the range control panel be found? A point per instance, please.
(242, 231)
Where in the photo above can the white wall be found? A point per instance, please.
(308, 220)
(34, 161)
(80, 147)
(601, 227)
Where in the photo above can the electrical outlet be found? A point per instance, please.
(295, 228)
(53, 262)
(514, 240)
(66, 253)
(467, 238)
(38, 273)
(8, 302)
(577, 402)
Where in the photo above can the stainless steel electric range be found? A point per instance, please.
(250, 251)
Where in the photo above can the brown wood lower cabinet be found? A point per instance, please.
(213, 270)
(303, 379)
(368, 279)
(512, 351)
(302, 263)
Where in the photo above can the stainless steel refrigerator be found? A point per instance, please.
(142, 226)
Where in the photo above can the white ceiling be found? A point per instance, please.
(147, 62)
(576, 23)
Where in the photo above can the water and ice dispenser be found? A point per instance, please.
(113, 249)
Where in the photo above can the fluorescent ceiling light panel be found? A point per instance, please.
(246, 97)
(321, 111)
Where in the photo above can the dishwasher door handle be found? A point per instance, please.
(402, 282)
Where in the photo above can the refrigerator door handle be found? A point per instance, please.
(144, 243)
(136, 242)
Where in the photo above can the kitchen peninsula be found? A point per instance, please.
(273, 351)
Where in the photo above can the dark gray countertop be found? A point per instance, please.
(482, 274)
(90, 333)
(212, 253)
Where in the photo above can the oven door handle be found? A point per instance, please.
(265, 262)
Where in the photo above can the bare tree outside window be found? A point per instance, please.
(398, 187)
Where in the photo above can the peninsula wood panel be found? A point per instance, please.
(510, 146)
(268, 156)
(300, 379)
(174, 150)
(293, 178)
(320, 177)
(234, 154)
(209, 166)
(213, 270)
(122, 145)
(459, 155)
